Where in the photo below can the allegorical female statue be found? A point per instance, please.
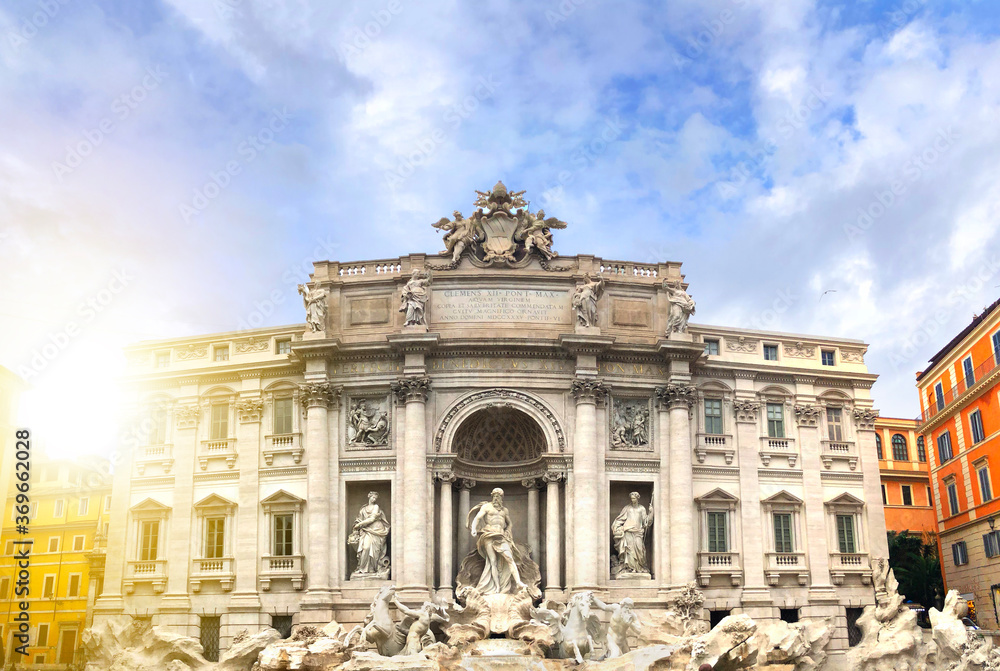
(369, 536)
(585, 300)
(681, 307)
(492, 529)
(315, 304)
(629, 533)
(415, 297)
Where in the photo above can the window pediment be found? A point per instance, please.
(846, 502)
(214, 503)
(282, 501)
(150, 506)
(783, 497)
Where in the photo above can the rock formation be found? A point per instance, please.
(129, 644)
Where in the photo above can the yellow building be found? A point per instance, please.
(68, 515)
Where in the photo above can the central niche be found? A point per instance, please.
(499, 436)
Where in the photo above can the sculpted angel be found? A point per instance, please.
(585, 300)
(490, 525)
(681, 307)
(460, 234)
(535, 231)
(414, 297)
(315, 304)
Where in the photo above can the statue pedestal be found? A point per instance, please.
(680, 337)
(634, 576)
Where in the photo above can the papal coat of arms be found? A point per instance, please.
(501, 230)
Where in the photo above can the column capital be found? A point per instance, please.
(552, 477)
(411, 388)
(250, 410)
(746, 410)
(677, 395)
(320, 394)
(186, 416)
(529, 483)
(807, 415)
(466, 483)
(865, 418)
(587, 390)
(445, 477)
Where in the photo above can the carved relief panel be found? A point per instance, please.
(629, 424)
(369, 421)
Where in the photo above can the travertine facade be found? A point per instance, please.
(239, 504)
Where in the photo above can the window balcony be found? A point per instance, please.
(220, 568)
(714, 443)
(786, 563)
(832, 450)
(222, 449)
(153, 571)
(161, 455)
(778, 447)
(719, 563)
(287, 567)
(854, 563)
(283, 443)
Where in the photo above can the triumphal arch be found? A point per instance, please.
(293, 474)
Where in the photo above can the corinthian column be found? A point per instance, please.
(679, 400)
(533, 537)
(317, 398)
(413, 575)
(553, 532)
(756, 597)
(464, 506)
(586, 488)
(446, 545)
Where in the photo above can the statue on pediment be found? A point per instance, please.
(414, 298)
(314, 301)
(681, 307)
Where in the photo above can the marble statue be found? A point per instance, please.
(418, 633)
(585, 300)
(536, 232)
(629, 533)
(414, 297)
(379, 629)
(461, 234)
(368, 424)
(624, 620)
(575, 631)
(315, 304)
(681, 307)
(490, 525)
(369, 535)
(630, 424)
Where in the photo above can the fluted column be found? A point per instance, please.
(533, 535)
(661, 528)
(317, 398)
(446, 544)
(553, 532)
(413, 575)
(864, 422)
(586, 488)
(679, 399)
(464, 506)
(756, 595)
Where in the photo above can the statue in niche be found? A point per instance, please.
(461, 233)
(629, 533)
(585, 300)
(624, 620)
(368, 423)
(315, 304)
(369, 536)
(490, 525)
(414, 298)
(630, 424)
(681, 307)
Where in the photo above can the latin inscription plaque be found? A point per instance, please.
(531, 306)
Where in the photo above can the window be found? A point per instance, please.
(84, 505)
(107, 504)
(282, 415)
(220, 422)
(9, 549)
(4, 587)
(162, 359)
(996, 347)
(283, 535)
(775, 420)
(158, 436)
(976, 424)
(959, 553)
(58, 508)
(40, 658)
(953, 498)
(711, 347)
(835, 423)
(930, 498)
(944, 447)
(828, 358)
(222, 353)
(991, 543)
(845, 534)
(717, 532)
(283, 347)
(907, 495)
(54, 544)
(983, 473)
(878, 445)
(43, 635)
(783, 541)
(713, 415)
(853, 630)
(970, 375)
(899, 451)
(49, 587)
(770, 352)
(939, 395)
(78, 542)
(149, 537)
(885, 499)
(790, 615)
(32, 511)
(215, 537)
(74, 585)
(921, 449)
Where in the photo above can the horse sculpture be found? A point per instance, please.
(379, 628)
(575, 631)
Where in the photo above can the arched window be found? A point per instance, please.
(921, 450)
(878, 445)
(899, 451)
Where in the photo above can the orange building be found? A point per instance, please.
(905, 475)
(960, 424)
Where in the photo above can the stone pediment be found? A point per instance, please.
(149, 506)
(215, 501)
(717, 495)
(783, 497)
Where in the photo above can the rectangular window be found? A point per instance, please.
(885, 500)
(107, 504)
(49, 587)
(991, 543)
(845, 534)
(939, 395)
(78, 542)
(770, 352)
(959, 553)
(970, 375)
(74, 585)
(828, 357)
(953, 498)
(220, 422)
(58, 508)
(713, 415)
(790, 615)
(775, 420)
(158, 435)
(907, 495)
(930, 498)
(54, 544)
(718, 541)
(983, 472)
(783, 541)
(84, 505)
(976, 424)
(149, 540)
(921, 449)
(996, 347)
(9, 549)
(162, 359)
(215, 537)
(282, 415)
(283, 535)
(283, 347)
(222, 353)
(40, 658)
(835, 423)
(711, 347)
(4, 587)
(944, 447)
(43, 636)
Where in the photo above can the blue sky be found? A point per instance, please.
(778, 150)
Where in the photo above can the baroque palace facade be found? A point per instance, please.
(287, 474)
